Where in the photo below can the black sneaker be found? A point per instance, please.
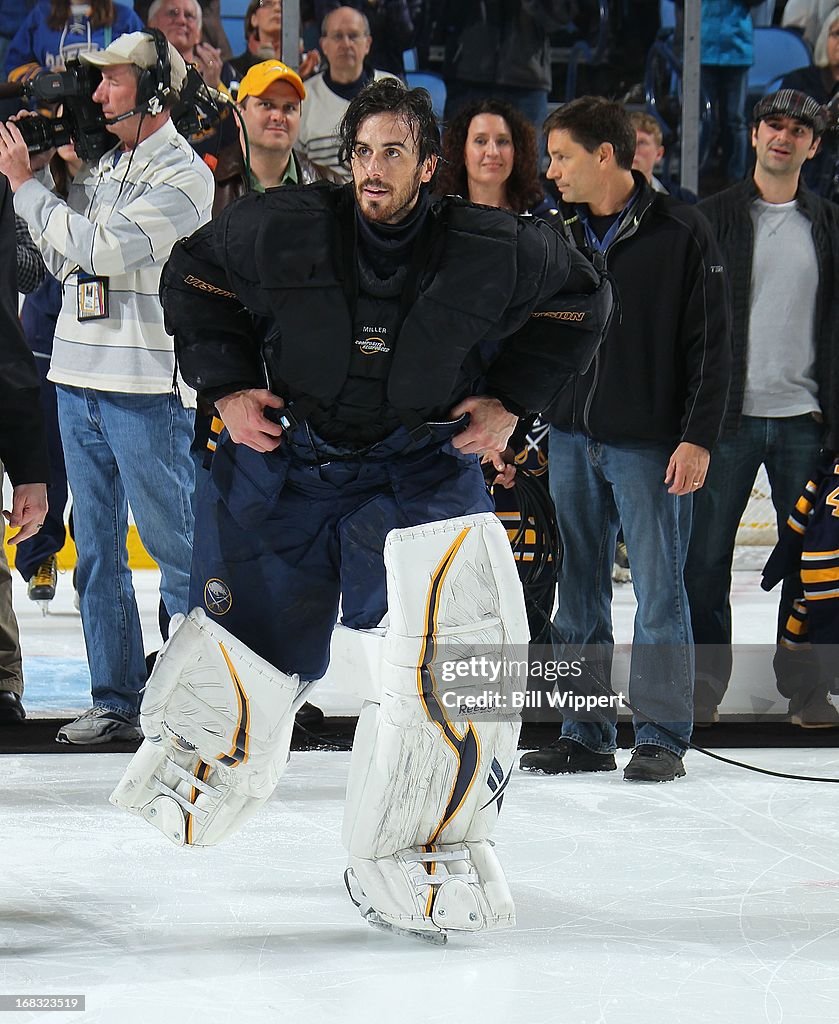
(650, 763)
(813, 711)
(566, 757)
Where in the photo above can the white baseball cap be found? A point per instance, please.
(137, 48)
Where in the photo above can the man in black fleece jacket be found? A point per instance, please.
(780, 243)
(23, 453)
(631, 445)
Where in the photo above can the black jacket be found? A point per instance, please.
(662, 372)
(290, 255)
(730, 216)
(23, 448)
(502, 42)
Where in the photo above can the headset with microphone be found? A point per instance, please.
(154, 85)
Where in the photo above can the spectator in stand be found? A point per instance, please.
(631, 441)
(125, 430)
(23, 451)
(727, 55)
(393, 27)
(649, 151)
(489, 157)
(212, 30)
(12, 15)
(502, 50)
(181, 22)
(270, 98)
(264, 35)
(821, 81)
(806, 17)
(57, 30)
(345, 44)
(780, 244)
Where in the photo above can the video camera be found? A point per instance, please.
(81, 122)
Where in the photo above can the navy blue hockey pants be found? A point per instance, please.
(281, 536)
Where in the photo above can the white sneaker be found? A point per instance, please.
(99, 725)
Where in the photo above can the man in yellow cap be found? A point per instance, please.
(269, 101)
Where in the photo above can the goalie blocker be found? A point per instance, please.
(426, 783)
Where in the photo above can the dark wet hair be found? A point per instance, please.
(389, 96)
(523, 188)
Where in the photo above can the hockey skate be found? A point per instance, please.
(42, 584)
(430, 891)
(365, 908)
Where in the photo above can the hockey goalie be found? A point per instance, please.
(432, 753)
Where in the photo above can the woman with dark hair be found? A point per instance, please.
(263, 34)
(57, 30)
(489, 157)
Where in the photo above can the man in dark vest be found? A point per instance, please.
(407, 337)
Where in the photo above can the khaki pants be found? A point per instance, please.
(11, 673)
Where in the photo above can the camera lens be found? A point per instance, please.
(37, 133)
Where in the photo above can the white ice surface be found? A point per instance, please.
(711, 899)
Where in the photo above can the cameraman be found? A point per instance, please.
(125, 432)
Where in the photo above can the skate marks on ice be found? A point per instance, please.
(715, 896)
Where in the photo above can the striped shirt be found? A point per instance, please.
(120, 221)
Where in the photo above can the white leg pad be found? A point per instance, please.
(191, 802)
(218, 721)
(424, 778)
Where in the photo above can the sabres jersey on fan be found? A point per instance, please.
(810, 543)
(532, 540)
(531, 448)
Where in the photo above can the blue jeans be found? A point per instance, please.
(122, 449)
(726, 89)
(596, 487)
(789, 448)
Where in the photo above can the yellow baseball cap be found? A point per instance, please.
(260, 76)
